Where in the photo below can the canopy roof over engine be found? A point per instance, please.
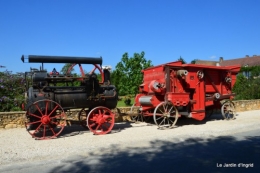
(62, 59)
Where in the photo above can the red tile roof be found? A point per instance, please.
(204, 62)
(247, 61)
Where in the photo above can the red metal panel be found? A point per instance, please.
(178, 99)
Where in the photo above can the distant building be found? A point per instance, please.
(203, 62)
(246, 61)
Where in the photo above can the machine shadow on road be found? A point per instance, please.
(184, 121)
(193, 154)
(77, 129)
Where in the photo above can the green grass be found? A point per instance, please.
(121, 103)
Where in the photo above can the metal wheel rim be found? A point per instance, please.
(163, 121)
(228, 110)
(47, 124)
(100, 120)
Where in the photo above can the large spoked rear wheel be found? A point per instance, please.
(165, 115)
(45, 119)
(228, 110)
(100, 120)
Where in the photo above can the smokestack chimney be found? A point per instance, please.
(221, 59)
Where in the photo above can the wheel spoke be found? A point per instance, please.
(159, 118)
(170, 120)
(36, 105)
(162, 121)
(100, 112)
(46, 107)
(34, 122)
(106, 125)
(37, 129)
(56, 116)
(164, 109)
(161, 111)
(34, 115)
(53, 132)
(97, 127)
(92, 124)
(170, 109)
(53, 110)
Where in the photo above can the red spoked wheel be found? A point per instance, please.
(45, 119)
(100, 120)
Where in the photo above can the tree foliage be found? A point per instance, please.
(247, 83)
(11, 91)
(251, 71)
(194, 61)
(182, 60)
(127, 75)
(66, 67)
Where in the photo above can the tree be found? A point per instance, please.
(247, 88)
(11, 91)
(194, 61)
(182, 60)
(66, 67)
(127, 75)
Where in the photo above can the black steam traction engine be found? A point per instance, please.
(50, 95)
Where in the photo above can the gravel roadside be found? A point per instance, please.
(18, 146)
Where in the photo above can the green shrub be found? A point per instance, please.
(11, 91)
(247, 89)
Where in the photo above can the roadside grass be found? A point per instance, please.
(121, 103)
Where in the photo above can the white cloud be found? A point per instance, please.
(213, 57)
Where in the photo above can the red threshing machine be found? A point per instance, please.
(174, 89)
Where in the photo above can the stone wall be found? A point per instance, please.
(16, 119)
(247, 105)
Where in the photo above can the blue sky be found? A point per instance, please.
(163, 29)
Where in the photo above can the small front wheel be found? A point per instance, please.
(100, 120)
(228, 110)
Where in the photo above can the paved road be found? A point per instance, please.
(205, 155)
(240, 151)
